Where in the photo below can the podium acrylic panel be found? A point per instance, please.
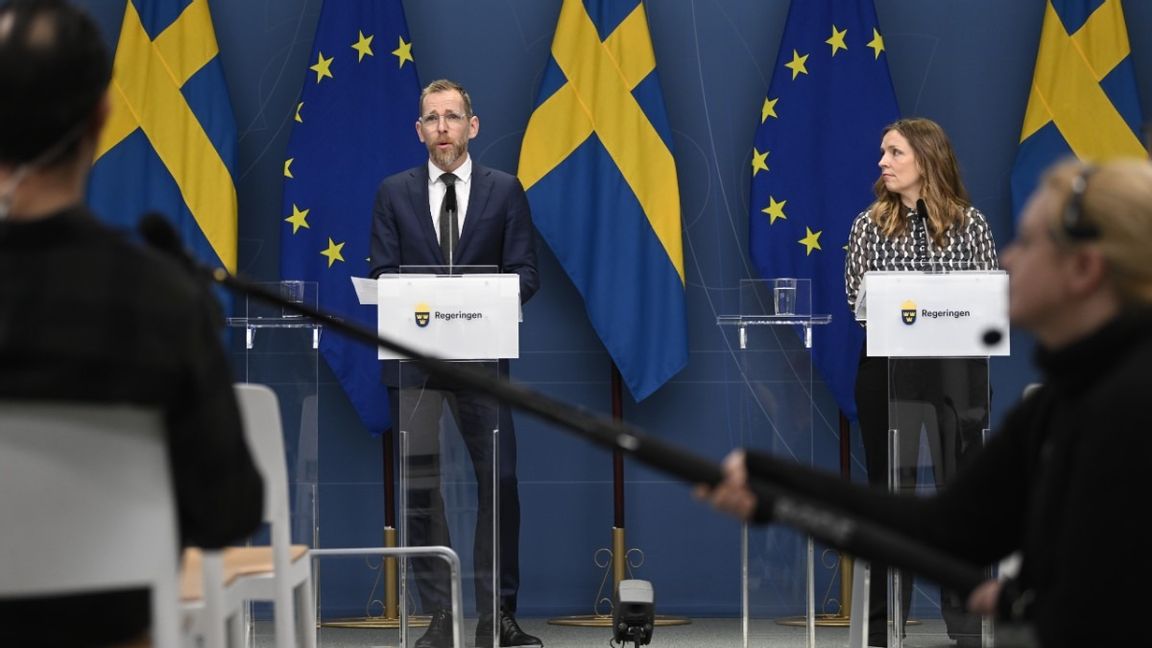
(925, 314)
(448, 467)
(938, 418)
(275, 347)
(451, 317)
(785, 575)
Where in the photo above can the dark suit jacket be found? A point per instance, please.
(497, 231)
(497, 226)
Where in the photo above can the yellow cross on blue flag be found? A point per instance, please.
(352, 126)
(597, 165)
(1084, 100)
(170, 142)
(814, 163)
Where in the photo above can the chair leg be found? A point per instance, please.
(284, 618)
(306, 614)
(238, 629)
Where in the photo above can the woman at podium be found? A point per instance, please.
(921, 221)
(1064, 482)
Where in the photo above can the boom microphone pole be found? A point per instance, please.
(832, 527)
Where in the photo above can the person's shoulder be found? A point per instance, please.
(157, 273)
(863, 219)
(405, 177)
(146, 271)
(973, 216)
(496, 176)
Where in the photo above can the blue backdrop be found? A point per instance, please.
(967, 65)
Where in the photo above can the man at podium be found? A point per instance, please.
(451, 214)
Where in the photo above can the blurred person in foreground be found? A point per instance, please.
(1062, 481)
(88, 316)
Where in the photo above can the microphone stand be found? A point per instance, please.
(838, 529)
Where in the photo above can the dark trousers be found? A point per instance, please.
(476, 416)
(949, 398)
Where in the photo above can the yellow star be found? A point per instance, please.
(877, 42)
(322, 67)
(775, 209)
(333, 252)
(837, 40)
(298, 117)
(811, 240)
(363, 46)
(404, 52)
(759, 161)
(768, 109)
(299, 218)
(288, 168)
(797, 64)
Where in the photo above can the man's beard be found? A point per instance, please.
(445, 158)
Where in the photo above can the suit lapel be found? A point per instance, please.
(418, 196)
(477, 206)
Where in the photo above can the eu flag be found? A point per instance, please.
(597, 165)
(352, 127)
(814, 163)
(1084, 100)
(170, 142)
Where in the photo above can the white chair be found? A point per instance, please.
(279, 572)
(88, 505)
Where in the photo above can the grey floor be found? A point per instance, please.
(726, 633)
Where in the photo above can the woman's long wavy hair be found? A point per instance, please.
(942, 190)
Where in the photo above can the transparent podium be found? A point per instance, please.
(449, 437)
(935, 332)
(279, 348)
(771, 340)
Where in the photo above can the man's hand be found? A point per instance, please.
(732, 495)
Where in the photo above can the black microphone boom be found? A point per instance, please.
(835, 528)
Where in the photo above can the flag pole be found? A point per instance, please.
(619, 551)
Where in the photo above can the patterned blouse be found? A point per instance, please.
(969, 248)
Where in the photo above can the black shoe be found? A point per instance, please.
(510, 633)
(439, 632)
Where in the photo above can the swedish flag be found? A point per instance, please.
(352, 127)
(814, 162)
(597, 165)
(1084, 100)
(170, 141)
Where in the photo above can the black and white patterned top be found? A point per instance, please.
(969, 247)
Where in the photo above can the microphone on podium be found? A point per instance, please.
(922, 213)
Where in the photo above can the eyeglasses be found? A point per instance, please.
(432, 120)
(1076, 225)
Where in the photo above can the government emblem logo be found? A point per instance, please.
(422, 314)
(908, 312)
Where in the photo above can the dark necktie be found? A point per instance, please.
(449, 224)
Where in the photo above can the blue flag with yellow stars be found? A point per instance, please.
(597, 165)
(352, 127)
(170, 142)
(814, 162)
(1084, 100)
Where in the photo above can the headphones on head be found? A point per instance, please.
(1076, 225)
